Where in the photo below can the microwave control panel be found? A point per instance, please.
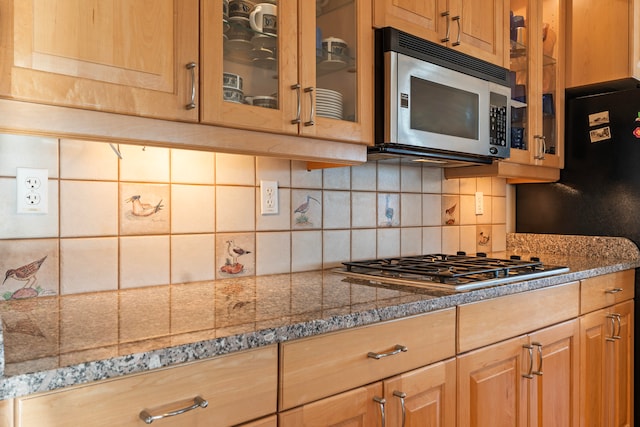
(498, 121)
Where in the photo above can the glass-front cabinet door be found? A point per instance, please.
(537, 78)
(287, 66)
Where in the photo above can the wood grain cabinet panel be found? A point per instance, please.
(321, 366)
(124, 56)
(238, 387)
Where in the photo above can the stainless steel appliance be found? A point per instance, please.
(439, 105)
(458, 272)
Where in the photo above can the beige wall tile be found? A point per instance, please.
(192, 258)
(499, 210)
(337, 209)
(306, 250)
(193, 208)
(468, 242)
(411, 241)
(336, 178)
(431, 209)
(279, 221)
(410, 178)
(192, 167)
(88, 208)
(467, 210)
(363, 209)
(234, 169)
(15, 254)
(431, 240)
(144, 164)
(388, 210)
(273, 253)
(21, 151)
(363, 244)
(450, 186)
(336, 247)
(468, 185)
(432, 180)
(235, 208)
(306, 209)
(303, 178)
(388, 242)
(235, 255)
(88, 265)
(21, 226)
(273, 169)
(450, 240)
(364, 177)
(389, 176)
(144, 261)
(87, 160)
(144, 208)
(410, 210)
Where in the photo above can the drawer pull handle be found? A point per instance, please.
(613, 291)
(457, 42)
(296, 87)
(401, 395)
(381, 401)
(198, 402)
(397, 349)
(446, 16)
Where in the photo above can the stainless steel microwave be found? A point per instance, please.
(435, 104)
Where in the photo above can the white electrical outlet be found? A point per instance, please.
(479, 203)
(268, 197)
(32, 191)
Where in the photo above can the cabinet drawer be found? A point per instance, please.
(486, 322)
(238, 387)
(6, 413)
(320, 366)
(602, 291)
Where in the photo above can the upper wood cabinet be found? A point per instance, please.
(124, 56)
(479, 29)
(293, 80)
(602, 41)
(537, 112)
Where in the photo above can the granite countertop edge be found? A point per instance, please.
(47, 380)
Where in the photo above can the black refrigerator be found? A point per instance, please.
(598, 193)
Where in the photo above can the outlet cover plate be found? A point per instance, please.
(32, 192)
(269, 197)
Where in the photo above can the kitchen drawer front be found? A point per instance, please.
(486, 322)
(238, 387)
(316, 367)
(6, 413)
(602, 291)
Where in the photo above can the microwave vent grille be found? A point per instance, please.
(449, 58)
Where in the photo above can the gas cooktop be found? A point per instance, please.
(453, 272)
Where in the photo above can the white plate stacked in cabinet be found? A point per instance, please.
(329, 103)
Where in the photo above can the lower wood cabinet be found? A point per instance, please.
(424, 397)
(238, 388)
(530, 380)
(606, 354)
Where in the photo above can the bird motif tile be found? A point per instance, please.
(144, 208)
(450, 210)
(388, 210)
(29, 268)
(235, 255)
(306, 209)
(483, 239)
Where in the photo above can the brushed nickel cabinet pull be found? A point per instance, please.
(296, 87)
(446, 16)
(198, 402)
(309, 90)
(539, 371)
(397, 349)
(457, 42)
(381, 401)
(192, 67)
(529, 348)
(401, 395)
(616, 324)
(613, 291)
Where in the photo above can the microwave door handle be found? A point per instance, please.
(446, 16)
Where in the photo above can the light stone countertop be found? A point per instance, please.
(54, 342)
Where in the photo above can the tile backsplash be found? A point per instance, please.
(163, 216)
